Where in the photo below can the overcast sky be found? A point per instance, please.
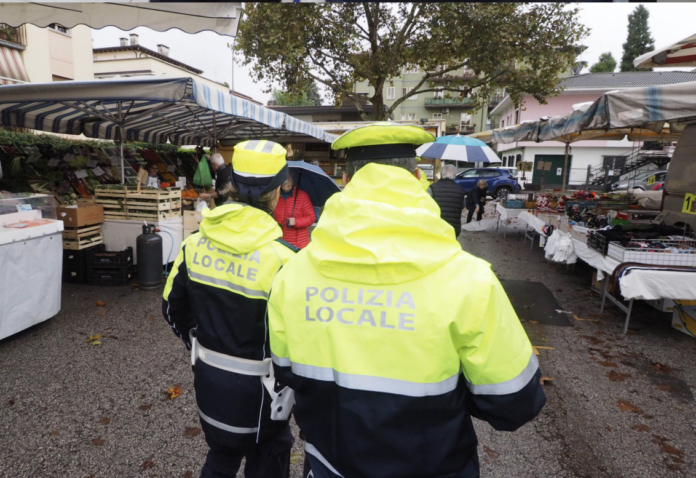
(669, 22)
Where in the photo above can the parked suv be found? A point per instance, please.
(645, 181)
(498, 180)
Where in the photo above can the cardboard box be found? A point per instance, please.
(82, 215)
(188, 232)
(684, 317)
(192, 220)
(663, 305)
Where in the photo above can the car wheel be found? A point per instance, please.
(503, 190)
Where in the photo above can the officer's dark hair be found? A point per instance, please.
(267, 202)
(354, 165)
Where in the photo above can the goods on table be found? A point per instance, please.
(672, 252)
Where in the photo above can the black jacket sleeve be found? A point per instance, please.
(176, 307)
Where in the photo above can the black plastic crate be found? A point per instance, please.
(75, 266)
(110, 276)
(99, 259)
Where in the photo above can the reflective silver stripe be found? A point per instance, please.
(234, 364)
(511, 386)
(227, 428)
(309, 448)
(268, 147)
(228, 284)
(251, 145)
(282, 361)
(369, 383)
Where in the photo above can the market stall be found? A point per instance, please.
(30, 260)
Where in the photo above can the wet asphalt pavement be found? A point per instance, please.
(617, 407)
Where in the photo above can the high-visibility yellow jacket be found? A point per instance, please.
(219, 285)
(393, 337)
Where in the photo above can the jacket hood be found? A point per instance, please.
(238, 228)
(382, 229)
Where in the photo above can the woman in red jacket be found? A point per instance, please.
(294, 213)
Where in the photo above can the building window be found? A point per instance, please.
(502, 124)
(56, 27)
(412, 116)
(405, 91)
(437, 116)
(517, 116)
(517, 160)
(410, 69)
(438, 93)
(391, 92)
(465, 119)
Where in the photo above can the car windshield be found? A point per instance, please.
(513, 172)
(641, 176)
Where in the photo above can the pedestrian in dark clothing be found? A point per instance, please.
(450, 197)
(475, 200)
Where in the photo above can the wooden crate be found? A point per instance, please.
(149, 205)
(153, 194)
(78, 238)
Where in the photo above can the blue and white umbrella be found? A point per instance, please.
(458, 148)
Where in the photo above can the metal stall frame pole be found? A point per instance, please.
(120, 134)
(565, 168)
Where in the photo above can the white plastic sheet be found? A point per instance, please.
(603, 264)
(646, 284)
(121, 234)
(30, 282)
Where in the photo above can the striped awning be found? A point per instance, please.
(12, 71)
(182, 111)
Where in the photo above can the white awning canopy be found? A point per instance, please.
(681, 53)
(222, 18)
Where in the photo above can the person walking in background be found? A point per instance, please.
(223, 175)
(476, 200)
(215, 301)
(450, 197)
(294, 213)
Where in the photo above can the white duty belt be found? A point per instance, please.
(282, 401)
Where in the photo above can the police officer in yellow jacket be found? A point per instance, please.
(216, 299)
(386, 374)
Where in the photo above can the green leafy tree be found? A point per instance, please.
(309, 97)
(639, 40)
(606, 64)
(523, 47)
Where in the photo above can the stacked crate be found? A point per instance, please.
(147, 205)
(81, 233)
(109, 268)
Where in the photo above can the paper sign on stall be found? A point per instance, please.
(81, 174)
(54, 162)
(23, 207)
(171, 168)
(92, 163)
(98, 171)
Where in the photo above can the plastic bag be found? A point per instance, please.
(203, 177)
(201, 205)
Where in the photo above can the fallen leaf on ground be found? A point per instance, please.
(145, 407)
(10, 403)
(665, 387)
(627, 406)
(533, 321)
(152, 318)
(147, 465)
(100, 304)
(97, 441)
(192, 432)
(586, 320)
(174, 392)
(667, 448)
(673, 467)
(615, 376)
(608, 364)
(101, 313)
(535, 347)
(492, 454)
(187, 474)
(543, 380)
(93, 337)
(641, 427)
(660, 368)
(658, 440)
(649, 417)
(592, 340)
(529, 306)
(97, 342)
(295, 457)
(54, 432)
(104, 421)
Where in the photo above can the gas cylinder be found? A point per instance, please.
(149, 247)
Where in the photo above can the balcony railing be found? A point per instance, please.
(447, 102)
(12, 34)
